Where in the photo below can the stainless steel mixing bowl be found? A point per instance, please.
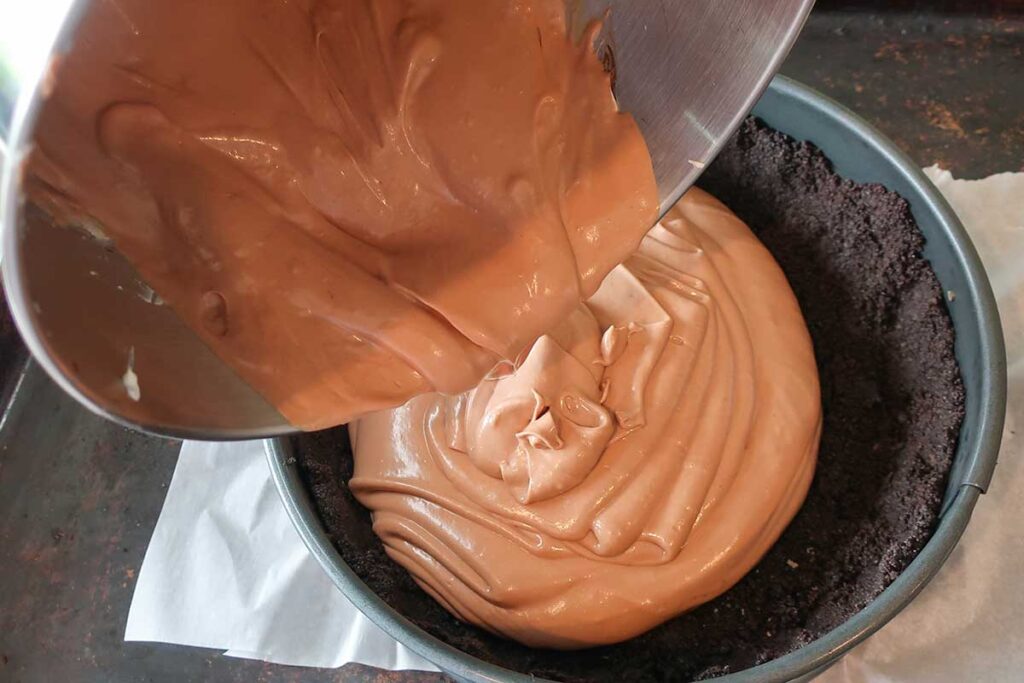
(688, 70)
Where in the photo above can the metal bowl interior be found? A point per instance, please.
(861, 153)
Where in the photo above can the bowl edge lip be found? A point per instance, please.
(826, 649)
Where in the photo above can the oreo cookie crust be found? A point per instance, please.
(893, 403)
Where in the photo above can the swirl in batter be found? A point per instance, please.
(636, 462)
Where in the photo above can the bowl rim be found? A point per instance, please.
(980, 450)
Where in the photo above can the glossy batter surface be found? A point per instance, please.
(636, 462)
(352, 201)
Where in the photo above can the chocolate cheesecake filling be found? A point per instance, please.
(350, 202)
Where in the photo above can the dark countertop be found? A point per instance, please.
(948, 89)
(78, 506)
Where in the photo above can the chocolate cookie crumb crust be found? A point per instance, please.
(893, 403)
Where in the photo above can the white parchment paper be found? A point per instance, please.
(225, 569)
